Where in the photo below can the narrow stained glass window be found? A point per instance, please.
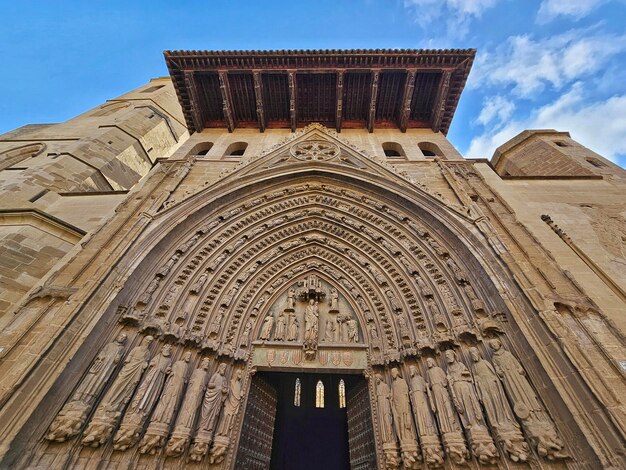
(342, 394)
(297, 392)
(319, 395)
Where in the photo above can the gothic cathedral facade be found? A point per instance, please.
(276, 260)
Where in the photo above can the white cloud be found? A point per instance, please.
(495, 107)
(529, 65)
(550, 9)
(456, 14)
(600, 125)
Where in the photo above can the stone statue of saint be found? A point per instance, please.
(334, 300)
(329, 330)
(110, 408)
(311, 321)
(526, 405)
(441, 405)
(191, 402)
(216, 323)
(144, 400)
(232, 404)
(73, 414)
(147, 294)
(353, 331)
(499, 413)
(165, 269)
(281, 327)
(403, 419)
(166, 407)
(431, 449)
(467, 404)
(385, 413)
(291, 299)
(244, 340)
(266, 329)
(292, 333)
(211, 406)
(197, 286)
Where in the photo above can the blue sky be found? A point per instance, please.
(540, 64)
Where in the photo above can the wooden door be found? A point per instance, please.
(360, 430)
(255, 443)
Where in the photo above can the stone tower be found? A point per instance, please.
(270, 248)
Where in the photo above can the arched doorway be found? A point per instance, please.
(407, 274)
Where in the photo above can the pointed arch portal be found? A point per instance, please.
(316, 260)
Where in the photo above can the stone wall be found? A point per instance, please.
(61, 181)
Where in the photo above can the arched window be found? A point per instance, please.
(297, 392)
(236, 149)
(393, 149)
(342, 394)
(110, 108)
(319, 395)
(430, 150)
(201, 149)
(561, 143)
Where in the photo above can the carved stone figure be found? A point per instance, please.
(266, 329)
(353, 331)
(197, 286)
(281, 327)
(329, 330)
(216, 323)
(245, 335)
(467, 404)
(232, 404)
(165, 269)
(403, 420)
(161, 419)
(311, 321)
(110, 408)
(146, 297)
(291, 299)
(424, 289)
(441, 405)
(431, 449)
(385, 422)
(231, 408)
(526, 405)
(211, 406)
(334, 300)
(144, 400)
(385, 413)
(73, 414)
(292, 330)
(499, 413)
(191, 402)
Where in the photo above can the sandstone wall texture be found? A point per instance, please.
(61, 181)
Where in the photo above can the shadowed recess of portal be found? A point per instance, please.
(307, 437)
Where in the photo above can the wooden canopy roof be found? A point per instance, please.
(338, 88)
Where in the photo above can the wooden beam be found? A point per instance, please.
(292, 99)
(373, 97)
(258, 93)
(339, 108)
(439, 106)
(405, 112)
(190, 84)
(226, 103)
